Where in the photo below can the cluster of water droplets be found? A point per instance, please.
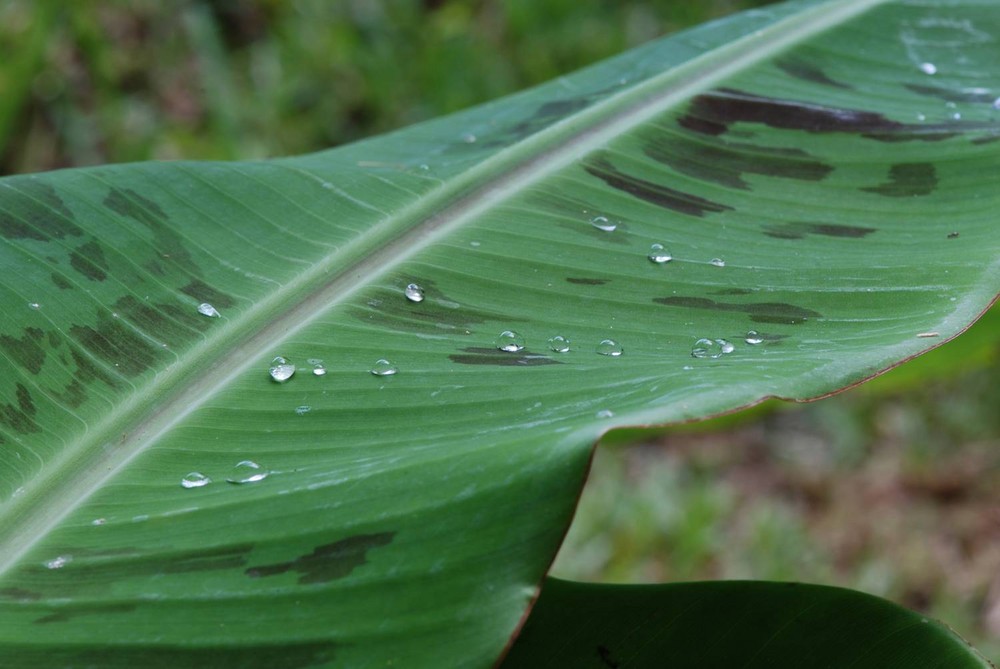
(244, 471)
(509, 341)
(716, 348)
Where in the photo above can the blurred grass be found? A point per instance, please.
(892, 488)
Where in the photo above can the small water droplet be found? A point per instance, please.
(725, 346)
(58, 562)
(509, 341)
(247, 471)
(319, 369)
(603, 223)
(383, 367)
(206, 309)
(957, 116)
(281, 370)
(195, 480)
(718, 262)
(605, 413)
(705, 348)
(303, 410)
(658, 254)
(469, 138)
(98, 521)
(928, 68)
(921, 117)
(34, 305)
(996, 104)
(414, 293)
(753, 338)
(610, 348)
(559, 344)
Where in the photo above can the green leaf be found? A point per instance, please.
(747, 624)
(406, 520)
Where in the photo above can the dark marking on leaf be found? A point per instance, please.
(950, 95)
(161, 319)
(127, 202)
(808, 72)
(953, 235)
(760, 312)
(35, 211)
(491, 356)
(329, 561)
(604, 653)
(987, 139)
(89, 261)
(727, 162)
(87, 371)
(733, 291)
(61, 282)
(68, 613)
(582, 281)
(713, 113)
(907, 180)
(654, 193)
(542, 117)
(73, 395)
(203, 292)
(26, 351)
(19, 416)
(20, 594)
(798, 230)
(283, 655)
(116, 344)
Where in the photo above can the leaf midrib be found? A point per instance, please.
(86, 465)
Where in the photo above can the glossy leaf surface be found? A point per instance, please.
(846, 196)
(717, 625)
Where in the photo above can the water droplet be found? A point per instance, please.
(610, 348)
(705, 348)
(957, 116)
(605, 413)
(414, 293)
(34, 305)
(921, 117)
(928, 68)
(383, 367)
(559, 344)
(469, 138)
(602, 223)
(753, 338)
(658, 254)
(319, 369)
(195, 480)
(509, 341)
(725, 346)
(281, 370)
(58, 562)
(247, 471)
(718, 262)
(206, 309)
(996, 104)
(303, 410)
(98, 521)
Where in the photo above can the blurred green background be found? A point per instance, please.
(892, 488)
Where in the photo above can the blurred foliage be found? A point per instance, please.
(892, 488)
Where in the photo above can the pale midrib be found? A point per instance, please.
(57, 493)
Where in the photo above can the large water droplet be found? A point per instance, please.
(383, 367)
(725, 346)
(753, 338)
(281, 370)
(559, 344)
(58, 562)
(658, 254)
(195, 480)
(928, 68)
(206, 309)
(718, 262)
(610, 348)
(705, 348)
(246, 471)
(303, 410)
(509, 341)
(414, 293)
(603, 223)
